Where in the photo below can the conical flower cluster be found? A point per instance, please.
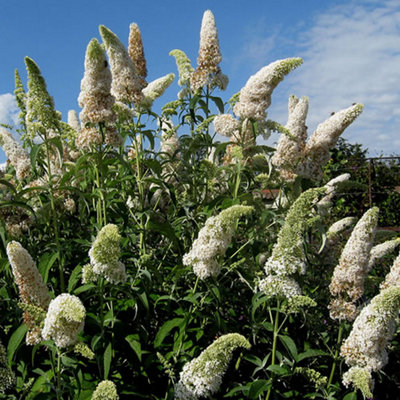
(209, 56)
(126, 84)
(213, 240)
(105, 390)
(255, 96)
(365, 348)
(155, 89)
(64, 320)
(202, 376)
(41, 116)
(288, 257)
(136, 53)
(104, 255)
(381, 250)
(32, 290)
(347, 283)
(18, 157)
(392, 279)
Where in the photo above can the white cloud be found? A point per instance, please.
(8, 109)
(351, 54)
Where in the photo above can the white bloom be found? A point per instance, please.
(64, 320)
(392, 279)
(349, 275)
(73, 120)
(226, 125)
(280, 286)
(255, 96)
(155, 89)
(18, 157)
(381, 250)
(326, 202)
(213, 240)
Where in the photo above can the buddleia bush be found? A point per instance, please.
(143, 255)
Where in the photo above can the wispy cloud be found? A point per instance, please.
(8, 109)
(352, 54)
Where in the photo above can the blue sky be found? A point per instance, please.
(350, 51)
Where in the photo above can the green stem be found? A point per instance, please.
(58, 372)
(339, 339)
(54, 219)
(274, 343)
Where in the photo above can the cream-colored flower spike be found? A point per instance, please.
(209, 53)
(126, 84)
(347, 284)
(291, 147)
(381, 250)
(73, 120)
(155, 89)
(95, 97)
(32, 289)
(136, 53)
(18, 157)
(392, 279)
(325, 138)
(105, 390)
(255, 96)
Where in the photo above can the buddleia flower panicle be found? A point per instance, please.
(185, 69)
(379, 251)
(213, 240)
(325, 137)
(365, 348)
(227, 125)
(392, 279)
(347, 284)
(95, 97)
(41, 115)
(32, 289)
(104, 255)
(156, 89)
(136, 53)
(169, 138)
(209, 54)
(291, 147)
(7, 377)
(288, 256)
(73, 121)
(325, 203)
(126, 84)
(18, 157)
(202, 377)
(255, 96)
(20, 98)
(64, 320)
(280, 286)
(105, 390)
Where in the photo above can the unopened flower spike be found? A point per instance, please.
(185, 69)
(255, 96)
(105, 390)
(209, 53)
(104, 255)
(136, 53)
(41, 116)
(202, 377)
(213, 240)
(32, 289)
(288, 253)
(64, 320)
(155, 89)
(18, 157)
(126, 84)
(365, 348)
(347, 284)
(20, 97)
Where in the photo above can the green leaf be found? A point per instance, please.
(290, 346)
(45, 263)
(310, 353)
(166, 328)
(257, 388)
(74, 278)
(15, 340)
(219, 103)
(107, 360)
(350, 396)
(134, 342)
(278, 370)
(34, 153)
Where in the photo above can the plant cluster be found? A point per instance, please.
(143, 257)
